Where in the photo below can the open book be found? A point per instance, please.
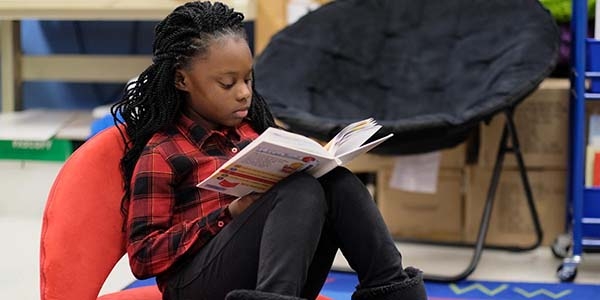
(277, 153)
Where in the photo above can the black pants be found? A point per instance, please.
(286, 241)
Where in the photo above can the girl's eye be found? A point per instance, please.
(248, 80)
(226, 85)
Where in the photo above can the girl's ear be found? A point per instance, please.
(180, 81)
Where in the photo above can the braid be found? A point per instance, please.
(260, 114)
(152, 103)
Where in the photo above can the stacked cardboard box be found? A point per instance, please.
(453, 213)
(542, 128)
(411, 215)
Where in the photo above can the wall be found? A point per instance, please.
(84, 37)
(72, 37)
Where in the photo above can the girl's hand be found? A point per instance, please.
(237, 206)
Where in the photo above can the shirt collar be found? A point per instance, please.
(199, 134)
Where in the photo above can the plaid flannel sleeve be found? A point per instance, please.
(155, 243)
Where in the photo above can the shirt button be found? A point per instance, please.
(220, 224)
(234, 150)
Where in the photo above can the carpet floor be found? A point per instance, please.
(339, 286)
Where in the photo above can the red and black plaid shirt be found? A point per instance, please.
(169, 218)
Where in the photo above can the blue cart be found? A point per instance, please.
(583, 202)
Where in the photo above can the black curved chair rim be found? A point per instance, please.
(318, 76)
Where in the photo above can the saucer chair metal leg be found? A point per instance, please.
(504, 147)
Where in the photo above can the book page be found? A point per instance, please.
(355, 139)
(590, 162)
(352, 136)
(295, 141)
(348, 156)
(259, 168)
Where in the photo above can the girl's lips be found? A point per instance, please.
(241, 113)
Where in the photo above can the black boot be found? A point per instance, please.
(412, 288)
(257, 295)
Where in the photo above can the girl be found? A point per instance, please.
(187, 113)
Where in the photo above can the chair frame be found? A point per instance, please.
(81, 238)
(509, 142)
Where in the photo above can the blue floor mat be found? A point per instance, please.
(340, 285)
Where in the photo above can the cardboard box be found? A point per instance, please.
(422, 216)
(542, 128)
(370, 163)
(511, 223)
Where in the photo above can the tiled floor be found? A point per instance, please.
(25, 186)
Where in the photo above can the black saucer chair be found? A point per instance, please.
(429, 71)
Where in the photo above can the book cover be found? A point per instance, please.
(596, 174)
(277, 153)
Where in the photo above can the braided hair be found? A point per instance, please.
(151, 102)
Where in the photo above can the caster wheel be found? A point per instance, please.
(566, 272)
(561, 246)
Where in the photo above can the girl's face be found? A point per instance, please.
(218, 84)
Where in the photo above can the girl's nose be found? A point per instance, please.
(245, 92)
